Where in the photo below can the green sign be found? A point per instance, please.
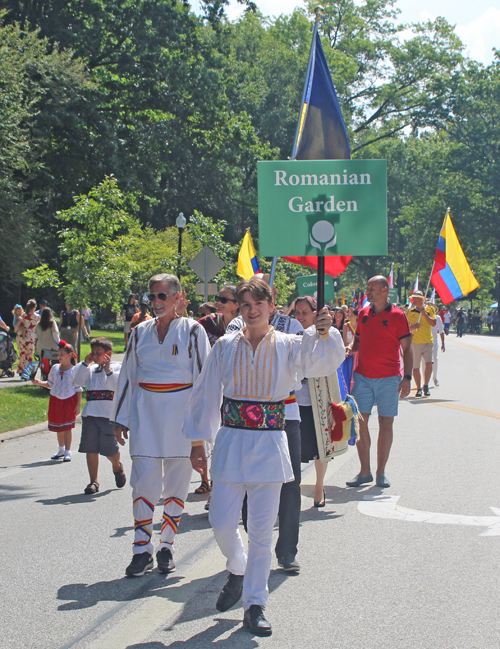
(393, 295)
(322, 207)
(309, 286)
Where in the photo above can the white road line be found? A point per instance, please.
(387, 507)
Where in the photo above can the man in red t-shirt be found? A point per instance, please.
(382, 332)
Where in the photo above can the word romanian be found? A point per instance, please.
(296, 204)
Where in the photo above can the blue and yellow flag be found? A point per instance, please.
(321, 132)
(451, 274)
(248, 264)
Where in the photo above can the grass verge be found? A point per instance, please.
(27, 404)
(22, 406)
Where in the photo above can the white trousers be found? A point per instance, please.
(225, 512)
(435, 352)
(150, 479)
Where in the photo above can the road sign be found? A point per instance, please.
(309, 285)
(206, 265)
(393, 295)
(322, 207)
(211, 289)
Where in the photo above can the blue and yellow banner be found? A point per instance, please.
(321, 132)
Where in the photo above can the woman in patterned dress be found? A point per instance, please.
(25, 330)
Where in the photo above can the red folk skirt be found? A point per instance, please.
(62, 413)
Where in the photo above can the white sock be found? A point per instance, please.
(67, 453)
(61, 449)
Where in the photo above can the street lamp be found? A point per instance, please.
(180, 222)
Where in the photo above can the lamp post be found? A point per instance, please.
(180, 222)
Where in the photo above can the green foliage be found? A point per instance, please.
(42, 277)
(180, 108)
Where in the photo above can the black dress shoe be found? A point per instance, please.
(255, 621)
(165, 561)
(231, 592)
(289, 563)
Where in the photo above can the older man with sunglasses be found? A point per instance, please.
(163, 359)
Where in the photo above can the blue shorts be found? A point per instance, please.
(383, 392)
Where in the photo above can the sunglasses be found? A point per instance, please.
(161, 296)
(224, 300)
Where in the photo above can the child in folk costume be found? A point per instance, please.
(100, 376)
(65, 399)
(251, 372)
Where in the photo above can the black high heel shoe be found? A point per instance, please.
(321, 503)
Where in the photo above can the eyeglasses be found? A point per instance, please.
(161, 296)
(223, 300)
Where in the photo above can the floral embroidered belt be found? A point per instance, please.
(253, 414)
(100, 395)
(165, 387)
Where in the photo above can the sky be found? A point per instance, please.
(477, 23)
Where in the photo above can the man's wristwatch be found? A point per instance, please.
(407, 377)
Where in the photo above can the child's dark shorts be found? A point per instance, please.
(98, 436)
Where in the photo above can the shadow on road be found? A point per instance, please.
(117, 590)
(415, 401)
(74, 499)
(239, 638)
(14, 493)
(336, 496)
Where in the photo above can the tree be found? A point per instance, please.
(96, 248)
(35, 82)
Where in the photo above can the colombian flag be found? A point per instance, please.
(451, 274)
(248, 264)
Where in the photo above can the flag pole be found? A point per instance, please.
(273, 272)
(320, 281)
(319, 10)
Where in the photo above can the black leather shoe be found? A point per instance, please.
(255, 621)
(165, 561)
(289, 563)
(231, 592)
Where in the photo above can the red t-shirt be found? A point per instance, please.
(380, 336)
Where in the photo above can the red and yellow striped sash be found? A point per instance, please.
(165, 387)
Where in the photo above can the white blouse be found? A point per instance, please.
(61, 383)
(269, 374)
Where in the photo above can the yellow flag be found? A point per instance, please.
(248, 264)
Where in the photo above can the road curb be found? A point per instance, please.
(29, 430)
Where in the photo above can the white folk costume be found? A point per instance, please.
(101, 387)
(153, 390)
(290, 497)
(251, 451)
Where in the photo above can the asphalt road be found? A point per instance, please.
(376, 574)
